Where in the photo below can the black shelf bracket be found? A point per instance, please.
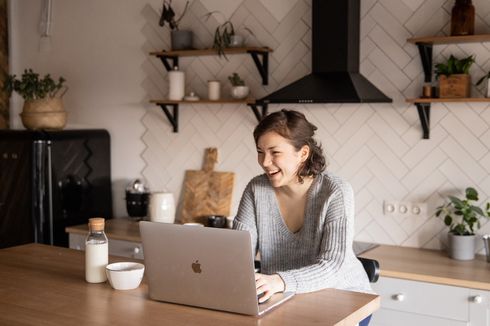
(425, 50)
(424, 115)
(173, 117)
(262, 66)
(165, 60)
(255, 109)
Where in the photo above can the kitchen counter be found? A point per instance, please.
(45, 285)
(399, 262)
(432, 266)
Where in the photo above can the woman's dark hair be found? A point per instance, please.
(293, 126)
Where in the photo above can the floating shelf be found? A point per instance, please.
(450, 39)
(260, 56)
(171, 107)
(423, 108)
(447, 100)
(424, 45)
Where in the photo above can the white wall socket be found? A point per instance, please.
(399, 208)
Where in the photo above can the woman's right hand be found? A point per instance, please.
(268, 284)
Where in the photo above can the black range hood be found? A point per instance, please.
(335, 59)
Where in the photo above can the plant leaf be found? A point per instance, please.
(471, 193)
(448, 220)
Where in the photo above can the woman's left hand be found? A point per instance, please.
(268, 284)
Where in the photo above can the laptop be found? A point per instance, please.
(205, 267)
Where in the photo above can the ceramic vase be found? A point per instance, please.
(181, 39)
(461, 247)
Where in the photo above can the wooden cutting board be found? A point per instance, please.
(206, 192)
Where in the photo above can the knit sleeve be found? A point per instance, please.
(246, 216)
(335, 241)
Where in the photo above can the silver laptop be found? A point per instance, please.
(205, 267)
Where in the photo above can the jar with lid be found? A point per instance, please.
(96, 251)
(463, 18)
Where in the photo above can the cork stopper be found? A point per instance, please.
(96, 223)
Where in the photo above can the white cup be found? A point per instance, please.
(162, 207)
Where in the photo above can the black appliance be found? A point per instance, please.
(335, 60)
(51, 180)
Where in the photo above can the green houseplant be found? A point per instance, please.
(224, 35)
(179, 39)
(454, 78)
(462, 217)
(43, 106)
(238, 88)
(487, 78)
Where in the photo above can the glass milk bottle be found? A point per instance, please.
(96, 251)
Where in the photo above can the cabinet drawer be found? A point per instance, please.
(125, 249)
(423, 298)
(387, 317)
(116, 247)
(76, 241)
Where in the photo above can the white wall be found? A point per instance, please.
(101, 47)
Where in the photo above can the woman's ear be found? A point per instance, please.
(304, 152)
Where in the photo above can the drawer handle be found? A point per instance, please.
(136, 250)
(398, 297)
(476, 299)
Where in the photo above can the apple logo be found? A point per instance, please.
(196, 267)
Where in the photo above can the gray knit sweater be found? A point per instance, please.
(320, 254)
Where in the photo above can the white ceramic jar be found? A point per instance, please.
(162, 207)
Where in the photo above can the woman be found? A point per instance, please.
(300, 219)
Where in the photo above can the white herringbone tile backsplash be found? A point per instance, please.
(376, 147)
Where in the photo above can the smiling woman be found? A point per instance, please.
(300, 218)
(4, 99)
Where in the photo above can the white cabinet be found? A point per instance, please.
(405, 302)
(116, 247)
(479, 304)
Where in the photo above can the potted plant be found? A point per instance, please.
(454, 78)
(43, 106)
(462, 217)
(225, 36)
(179, 39)
(238, 88)
(487, 77)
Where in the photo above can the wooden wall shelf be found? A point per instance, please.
(260, 56)
(448, 100)
(171, 108)
(450, 39)
(425, 45)
(211, 51)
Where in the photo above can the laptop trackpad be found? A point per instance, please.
(274, 301)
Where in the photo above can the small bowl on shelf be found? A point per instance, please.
(125, 275)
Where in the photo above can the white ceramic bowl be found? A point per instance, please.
(125, 275)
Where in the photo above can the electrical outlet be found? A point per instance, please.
(398, 208)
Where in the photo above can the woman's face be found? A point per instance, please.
(279, 159)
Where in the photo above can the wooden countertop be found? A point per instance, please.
(45, 284)
(117, 228)
(431, 266)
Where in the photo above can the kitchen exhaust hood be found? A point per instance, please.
(335, 60)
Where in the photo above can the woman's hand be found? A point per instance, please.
(268, 284)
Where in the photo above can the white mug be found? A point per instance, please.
(162, 207)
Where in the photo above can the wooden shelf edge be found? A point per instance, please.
(201, 52)
(205, 101)
(447, 100)
(450, 39)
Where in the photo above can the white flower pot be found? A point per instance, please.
(461, 247)
(239, 92)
